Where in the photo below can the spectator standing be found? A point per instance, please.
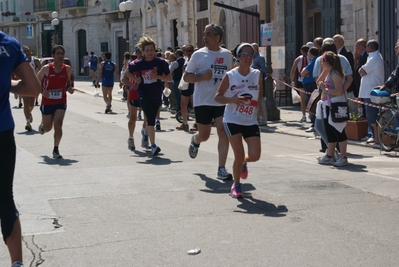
(299, 63)
(13, 60)
(309, 83)
(393, 79)
(85, 65)
(333, 91)
(360, 59)
(258, 62)
(176, 69)
(372, 74)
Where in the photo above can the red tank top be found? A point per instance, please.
(56, 84)
(134, 94)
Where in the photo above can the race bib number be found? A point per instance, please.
(147, 76)
(248, 110)
(218, 71)
(55, 94)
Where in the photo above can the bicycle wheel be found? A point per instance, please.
(179, 117)
(386, 129)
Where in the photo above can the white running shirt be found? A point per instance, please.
(201, 61)
(245, 85)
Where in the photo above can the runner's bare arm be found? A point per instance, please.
(28, 85)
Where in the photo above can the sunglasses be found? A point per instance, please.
(189, 50)
(246, 54)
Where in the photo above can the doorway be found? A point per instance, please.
(82, 49)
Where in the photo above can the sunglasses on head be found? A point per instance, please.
(246, 54)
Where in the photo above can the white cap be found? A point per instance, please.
(309, 44)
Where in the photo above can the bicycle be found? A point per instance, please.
(179, 116)
(388, 123)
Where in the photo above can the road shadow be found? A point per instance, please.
(219, 186)
(61, 162)
(157, 160)
(32, 132)
(251, 205)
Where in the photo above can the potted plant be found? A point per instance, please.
(27, 13)
(356, 127)
(12, 13)
(15, 19)
(7, 13)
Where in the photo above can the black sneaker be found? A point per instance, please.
(56, 154)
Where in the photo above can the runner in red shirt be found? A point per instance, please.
(56, 81)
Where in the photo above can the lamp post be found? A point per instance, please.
(55, 22)
(126, 7)
(273, 113)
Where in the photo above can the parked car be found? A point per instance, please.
(66, 61)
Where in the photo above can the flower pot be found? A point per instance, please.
(356, 130)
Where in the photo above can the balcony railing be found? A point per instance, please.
(44, 5)
(17, 18)
(73, 3)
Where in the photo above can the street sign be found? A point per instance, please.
(266, 34)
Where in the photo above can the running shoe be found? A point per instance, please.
(244, 171)
(128, 115)
(326, 160)
(28, 127)
(130, 144)
(144, 139)
(139, 117)
(303, 119)
(108, 109)
(157, 125)
(40, 129)
(193, 148)
(56, 154)
(155, 150)
(235, 191)
(30, 118)
(17, 264)
(223, 174)
(183, 127)
(342, 161)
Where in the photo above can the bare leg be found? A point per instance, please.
(58, 120)
(223, 143)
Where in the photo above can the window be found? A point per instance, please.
(104, 47)
(202, 5)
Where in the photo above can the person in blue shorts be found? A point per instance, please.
(12, 60)
(93, 60)
(108, 71)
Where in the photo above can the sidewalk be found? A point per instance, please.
(288, 123)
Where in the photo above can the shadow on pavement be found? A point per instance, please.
(252, 205)
(60, 162)
(215, 186)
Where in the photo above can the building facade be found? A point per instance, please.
(98, 25)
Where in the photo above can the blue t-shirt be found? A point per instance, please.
(93, 62)
(150, 89)
(11, 56)
(108, 72)
(309, 68)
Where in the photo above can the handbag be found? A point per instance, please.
(312, 104)
(182, 84)
(339, 111)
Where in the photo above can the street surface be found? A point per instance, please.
(103, 205)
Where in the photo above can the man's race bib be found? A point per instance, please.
(55, 94)
(146, 74)
(218, 71)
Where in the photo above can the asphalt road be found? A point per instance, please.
(103, 205)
